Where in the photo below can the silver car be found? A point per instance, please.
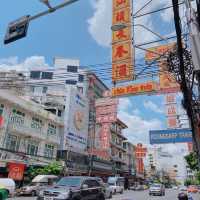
(157, 189)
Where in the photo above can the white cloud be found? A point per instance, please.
(100, 22)
(153, 107)
(13, 63)
(138, 128)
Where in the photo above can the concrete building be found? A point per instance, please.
(118, 152)
(29, 134)
(63, 91)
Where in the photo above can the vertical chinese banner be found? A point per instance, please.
(171, 111)
(122, 48)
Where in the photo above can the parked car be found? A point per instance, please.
(9, 185)
(175, 187)
(40, 182)
(157, 189)
(192, 189)
(74, 188)
(116, 184)
(107, 189)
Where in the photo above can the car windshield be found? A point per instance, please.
(156, 185)
(69, 182)
(33, 184)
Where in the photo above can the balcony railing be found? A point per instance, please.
(117, 145)
(18, 124)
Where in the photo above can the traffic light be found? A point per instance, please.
(17, 29)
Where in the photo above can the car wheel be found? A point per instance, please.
(101, 197)
(33, 193)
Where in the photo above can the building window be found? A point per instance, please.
(35, 74)
(44, 90)
(12, 142)
(71, 82)
(72, 68)
(47, 75)
(49, 150)
(51, 129)
(32, 148)
(80, 78)
(36, 123)
(17, 117)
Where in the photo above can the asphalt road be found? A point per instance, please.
(133, 195)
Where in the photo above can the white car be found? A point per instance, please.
(116, 184)
(175, 187)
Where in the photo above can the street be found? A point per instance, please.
(133, 195)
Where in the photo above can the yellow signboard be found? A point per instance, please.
(142, 88)
(121, 35)
(118, 4)
(122, 51)
(123, 70)
(168, 81)
(157, 52)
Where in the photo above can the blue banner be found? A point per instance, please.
(170, 136)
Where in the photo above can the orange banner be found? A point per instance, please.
(123, 71)
(168, 82)
(135, 89)
(121, 35)
(155, 53)
(122, 50)
(118, 4)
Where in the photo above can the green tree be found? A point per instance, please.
(54, 168)
(192, 161)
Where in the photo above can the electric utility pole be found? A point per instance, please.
(187, 93)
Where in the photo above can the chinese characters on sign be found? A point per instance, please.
(135, 89)
(106, 113)
(140, 153)
(122, 49)
(171, 111)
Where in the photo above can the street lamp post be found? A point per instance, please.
(18, 28)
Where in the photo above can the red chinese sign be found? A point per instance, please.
(16, 171)
(139, 166)
(170, 99)
(172, 122)
(171, 110)
(140, 151)
(122, 48)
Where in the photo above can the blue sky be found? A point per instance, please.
(82, 31)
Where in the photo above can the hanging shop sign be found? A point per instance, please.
(168, 83)
(170, 136)
(170, 99)
(171, 110)
(122, 48)
(172, 122)
(16, 171)
(135, 89)
(140, 151)
(158, 52)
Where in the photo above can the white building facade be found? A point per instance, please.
(29, 134)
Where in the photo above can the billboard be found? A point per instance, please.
(134, 89)
(76, 120)
(122, 48)
(170, 136)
